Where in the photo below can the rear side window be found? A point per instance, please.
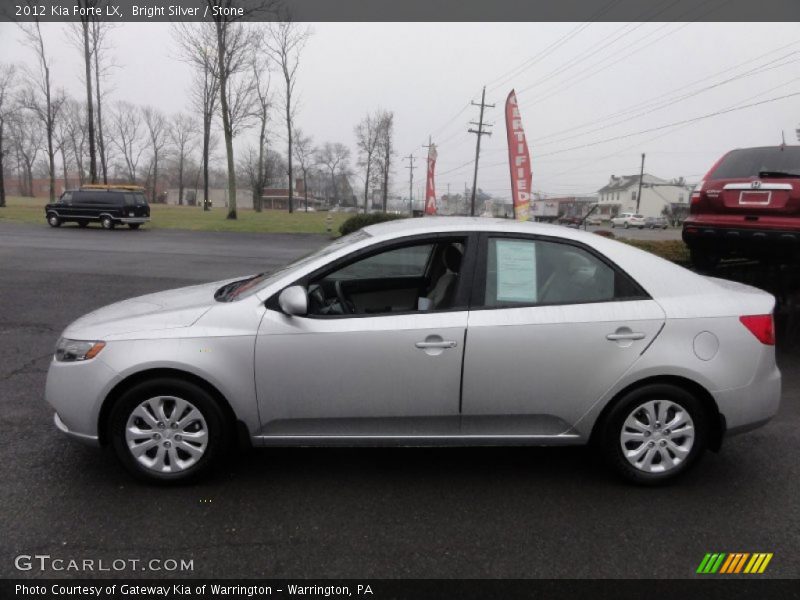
(135, 200)
(749, 162)
(524, 272)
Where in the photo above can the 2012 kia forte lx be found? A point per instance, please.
(428, 331)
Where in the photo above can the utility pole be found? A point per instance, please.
(410, 158)
(639, 193)
(478, 132)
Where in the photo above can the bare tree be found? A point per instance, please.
(234, 46)
(367, 137)
(385, 152)
(127, 135)
(306, 158)
(8, 74)
(182, 132)
(263, 105)
(39, 97)
(334, 157)
(198, 48)
(27, 140)
(74, 118)
(99, 31)
(284, 43)
(156, 126)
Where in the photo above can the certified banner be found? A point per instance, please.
(430, 185)
(519, 160)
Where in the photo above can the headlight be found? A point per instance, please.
(75, 350)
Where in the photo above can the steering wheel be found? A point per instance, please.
(347, 306)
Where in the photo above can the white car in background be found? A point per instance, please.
(627, 220)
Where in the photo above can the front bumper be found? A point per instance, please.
(75, 391)
(89, 440)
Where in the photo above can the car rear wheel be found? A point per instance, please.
(168, 431)
(53, 220)
(107, 222)
(654, 433)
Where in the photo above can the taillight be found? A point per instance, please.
(697, 191)
(761, 326)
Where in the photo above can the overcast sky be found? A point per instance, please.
(571, 81)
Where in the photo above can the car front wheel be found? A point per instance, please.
(53, 220)
(654, 434)
(168, 431)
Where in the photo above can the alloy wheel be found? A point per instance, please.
(166, 434)
(657, 436)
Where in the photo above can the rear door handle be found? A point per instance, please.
(442, 344)
(633, 335)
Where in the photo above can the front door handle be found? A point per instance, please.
(633, 335)
(442, 344)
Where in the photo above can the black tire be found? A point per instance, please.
(611, 429)
(107, 222)
(219, 429)
(626, 225)
(134, 225)
(83, 224)
(53, 220)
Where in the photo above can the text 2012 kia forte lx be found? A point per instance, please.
(428, 331)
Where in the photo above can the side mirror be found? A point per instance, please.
(294, 301)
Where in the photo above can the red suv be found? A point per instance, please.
(747, 205)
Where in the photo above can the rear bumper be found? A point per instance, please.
(753, 405)
(128, 220)
(739, 238)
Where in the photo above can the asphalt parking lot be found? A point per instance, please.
(378, 513)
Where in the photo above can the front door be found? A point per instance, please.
(378, 355)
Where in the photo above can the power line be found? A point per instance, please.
(654, 100)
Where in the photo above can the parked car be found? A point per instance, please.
(109, 205)
(656, 222)
(428, 332)
(627, 220)
(747, 205)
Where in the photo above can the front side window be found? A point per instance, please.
(524, 272)
(414, 277)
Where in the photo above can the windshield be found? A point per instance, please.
(772, 161)
(245, 287)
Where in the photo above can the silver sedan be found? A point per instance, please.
(434, 331)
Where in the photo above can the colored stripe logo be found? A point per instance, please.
(734, 563)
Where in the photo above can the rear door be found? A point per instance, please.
(552, 328)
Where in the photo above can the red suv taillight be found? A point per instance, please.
(761, 326)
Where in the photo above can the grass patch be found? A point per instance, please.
(193, 218)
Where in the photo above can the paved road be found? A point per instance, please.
(479, 512)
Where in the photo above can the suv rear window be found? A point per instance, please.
(749, 162)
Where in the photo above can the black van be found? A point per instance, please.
(107, 204)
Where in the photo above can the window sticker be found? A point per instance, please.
(516, 271)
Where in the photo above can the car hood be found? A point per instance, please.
(171, 309)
